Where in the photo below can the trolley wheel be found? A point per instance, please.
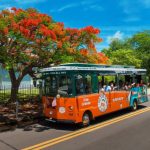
(85, 120)
(135, 106)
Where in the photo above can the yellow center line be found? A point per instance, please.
(84, 131)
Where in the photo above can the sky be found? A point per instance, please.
(115, 18)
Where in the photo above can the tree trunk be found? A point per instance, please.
(14, 91)
(15, 83)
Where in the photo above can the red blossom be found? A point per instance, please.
(14, 9)
(15, 26)
(60, 24)
(39, 28)
(59, 44)
(102, 58)
(47, 32)
(73, 31)
(84, 52)
(30, 22)
(91, 29)
(6, 30)
(24, 31)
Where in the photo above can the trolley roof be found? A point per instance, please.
(93, 67)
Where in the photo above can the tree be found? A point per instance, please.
(25, 43)
(141, 41)
(117, 44)
(137, 47)
(141, 44)
(29, 39)
(125, 57)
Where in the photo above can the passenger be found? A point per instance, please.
(129, 86)
(81, 86)
(135, 89)
(120, 84)
(132, 85)
(125, 86)
(87, 87)
(141, 83)
(102, 89)
(107, 88)
(112, 85)
(100, 84)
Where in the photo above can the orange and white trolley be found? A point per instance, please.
(78, 93)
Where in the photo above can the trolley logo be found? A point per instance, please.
(102, 103)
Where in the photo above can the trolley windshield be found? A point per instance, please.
(57, 84)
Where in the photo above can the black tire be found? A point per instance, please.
(135, 106)
(85, 120)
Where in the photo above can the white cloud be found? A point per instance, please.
(9, 8)
(85, 5)
(67, 6)
(117, 35)
(93, 8)
(64, 7)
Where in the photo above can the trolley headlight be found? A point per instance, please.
(70, 108)
(62, 110)
(51, 112)
(58, 96)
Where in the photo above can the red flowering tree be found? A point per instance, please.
(83, 41)
(29, 39)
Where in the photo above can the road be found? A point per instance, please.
(123, 130)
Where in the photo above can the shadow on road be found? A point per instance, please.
(44, 125)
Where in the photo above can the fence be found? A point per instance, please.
(26, 92)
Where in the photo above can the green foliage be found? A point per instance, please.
(109, 79)
(125, 57)
(63, 58)
(141, 42)
(132, 51)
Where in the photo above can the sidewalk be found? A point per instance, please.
(148, 93)
(148, 90)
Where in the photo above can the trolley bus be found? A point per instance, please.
(78, 93)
